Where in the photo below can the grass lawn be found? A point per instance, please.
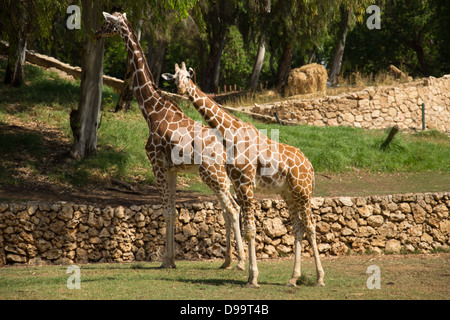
(401, 277)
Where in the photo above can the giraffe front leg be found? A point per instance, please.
(235, 220)
(227, 263)
(167, 183)
(253, 267)
(232, 219)
(216, 179)
(169, 247)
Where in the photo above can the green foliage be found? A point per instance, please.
(236, 65)
(115, 59)
(413, 36)
(341, 149)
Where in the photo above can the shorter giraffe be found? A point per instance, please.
(254, 160)
(176, 143)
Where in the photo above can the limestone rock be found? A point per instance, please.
(61, 233)
(393, 246)
(375, 221)
(274, 227)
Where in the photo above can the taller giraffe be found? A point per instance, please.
(174, 144)
(264, 163)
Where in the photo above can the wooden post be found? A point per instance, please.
(423, 117)
(391, 135)
(277, 118)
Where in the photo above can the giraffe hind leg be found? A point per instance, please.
(298, 231)
(303, 206)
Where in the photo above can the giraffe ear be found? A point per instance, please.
(168, 76)
(109, 17)
(191, 72)
(124, 15)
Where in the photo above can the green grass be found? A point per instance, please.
(402, 277)
(340, 149)
(46, 99)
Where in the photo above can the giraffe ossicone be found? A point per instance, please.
(288, 172)
(165, 119)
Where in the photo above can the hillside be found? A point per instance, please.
(35, 140)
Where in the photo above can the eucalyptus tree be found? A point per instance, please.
(257, 15)
(216, 17)
(20, 21)
(293, 23)
(348, 12)
(86, 119)
(413, 36)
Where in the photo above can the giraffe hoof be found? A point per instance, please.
(168, 266)
(225, 266)
(240, 267)
(292, 283)
(320, 284)
(252, 285)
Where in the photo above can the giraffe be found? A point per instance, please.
(255, 161)
(176, 144)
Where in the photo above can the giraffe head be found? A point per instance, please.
(114, 24)
(182, 77)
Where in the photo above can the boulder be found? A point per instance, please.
(392, 246)
(274, 228)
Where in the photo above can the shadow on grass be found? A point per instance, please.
(33, 153)
(43, 87)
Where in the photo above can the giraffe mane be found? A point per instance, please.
(146, 67)
(223, 109)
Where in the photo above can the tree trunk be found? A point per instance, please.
(19, 69)
(284, 66)
(273, 72)
(156, 56)
(254, 79)
(15, 73)
(126, 92)
(210, 78)
(416, 45)
(85, 121)
(336, 65)
(312, 55)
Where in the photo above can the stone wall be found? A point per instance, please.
(62, 233)
(373, 107)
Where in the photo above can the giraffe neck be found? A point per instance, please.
(153, 106)
(214, 115)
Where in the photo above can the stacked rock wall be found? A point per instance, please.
(373, 107)
(62, 233)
